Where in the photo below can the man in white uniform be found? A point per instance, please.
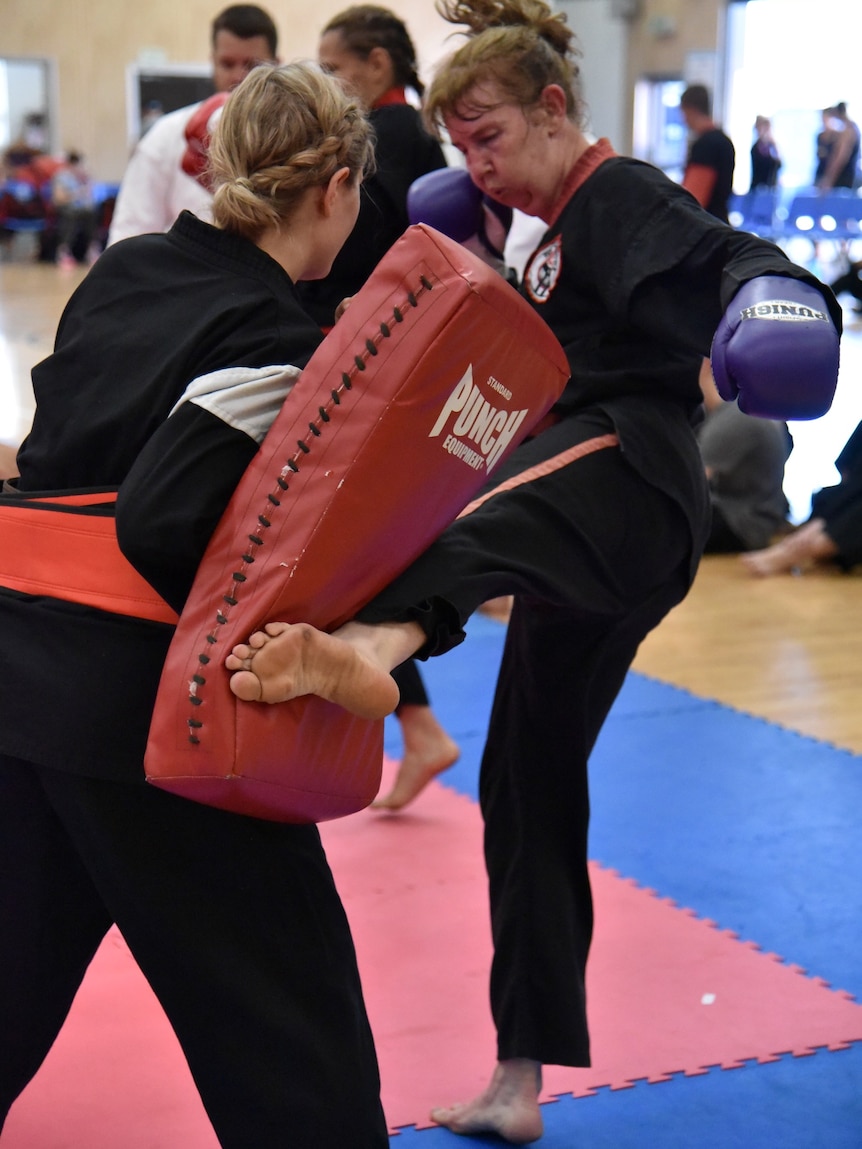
(155, 189)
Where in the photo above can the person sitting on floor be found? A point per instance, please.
(74, 204)
(744, 459)
(833, 531)
(850, 283)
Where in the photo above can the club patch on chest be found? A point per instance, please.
(543, 271)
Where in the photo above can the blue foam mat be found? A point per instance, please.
(752, 826)
(794, 1103)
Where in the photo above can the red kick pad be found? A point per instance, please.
(436, 372)
(415, 892)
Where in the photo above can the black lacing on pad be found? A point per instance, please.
(281, 486)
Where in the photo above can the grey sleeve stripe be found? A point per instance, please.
(246, 398)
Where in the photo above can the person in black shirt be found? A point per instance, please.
(840, 167)
(744, 459)
(832, 533)
(172, 358)
(765, 160)
(369, 50)
(709, 167)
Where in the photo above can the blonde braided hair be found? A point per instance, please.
(285, 129)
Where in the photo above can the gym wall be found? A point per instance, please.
(93, 41)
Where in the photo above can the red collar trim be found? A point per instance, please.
(391, 96)
(595, 155)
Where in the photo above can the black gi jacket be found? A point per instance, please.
(633, 278)
(154, 315)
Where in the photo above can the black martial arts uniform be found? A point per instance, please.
(403, 151)
(234, 921)
(840, 506)
(596, 526)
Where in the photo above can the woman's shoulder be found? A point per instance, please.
(398, 121)
(622, 185)
(627, 171)
(403, 141)
(396, 112)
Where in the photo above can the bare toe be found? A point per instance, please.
(246, 685)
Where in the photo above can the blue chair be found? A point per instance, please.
(736, 209)
(755, 211)
(103, 192)
(25, 199)
(841, 215)
(22, 212)
(834, 215)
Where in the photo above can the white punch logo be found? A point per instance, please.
(479, 433)
(782, 309)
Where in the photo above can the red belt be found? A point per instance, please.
(48, 550)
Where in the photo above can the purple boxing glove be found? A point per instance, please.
(448, 200)
(776, 350)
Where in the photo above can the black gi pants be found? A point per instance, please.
(410, 685)
(595, 556)
(840, 506)
(851, 283)
(237, 926)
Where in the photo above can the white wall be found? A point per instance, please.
(603, 39)
(785, 63)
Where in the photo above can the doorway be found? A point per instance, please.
(659, 133)
(28, 103)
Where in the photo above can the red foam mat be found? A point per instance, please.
(668, 993)
(116, 1076)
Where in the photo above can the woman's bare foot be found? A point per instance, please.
(509, 1106)
(498, 608)
(803, 548)
(285, 661)
(428, 751)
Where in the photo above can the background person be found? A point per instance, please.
(369, 50)
(832, 534)
(711, 157)
(765, 160)
(824, 143)
(74, 210)
(841, 163)
(24, 179)
(234, 921)
(744, 460)
(850, 283)
(155, 188)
